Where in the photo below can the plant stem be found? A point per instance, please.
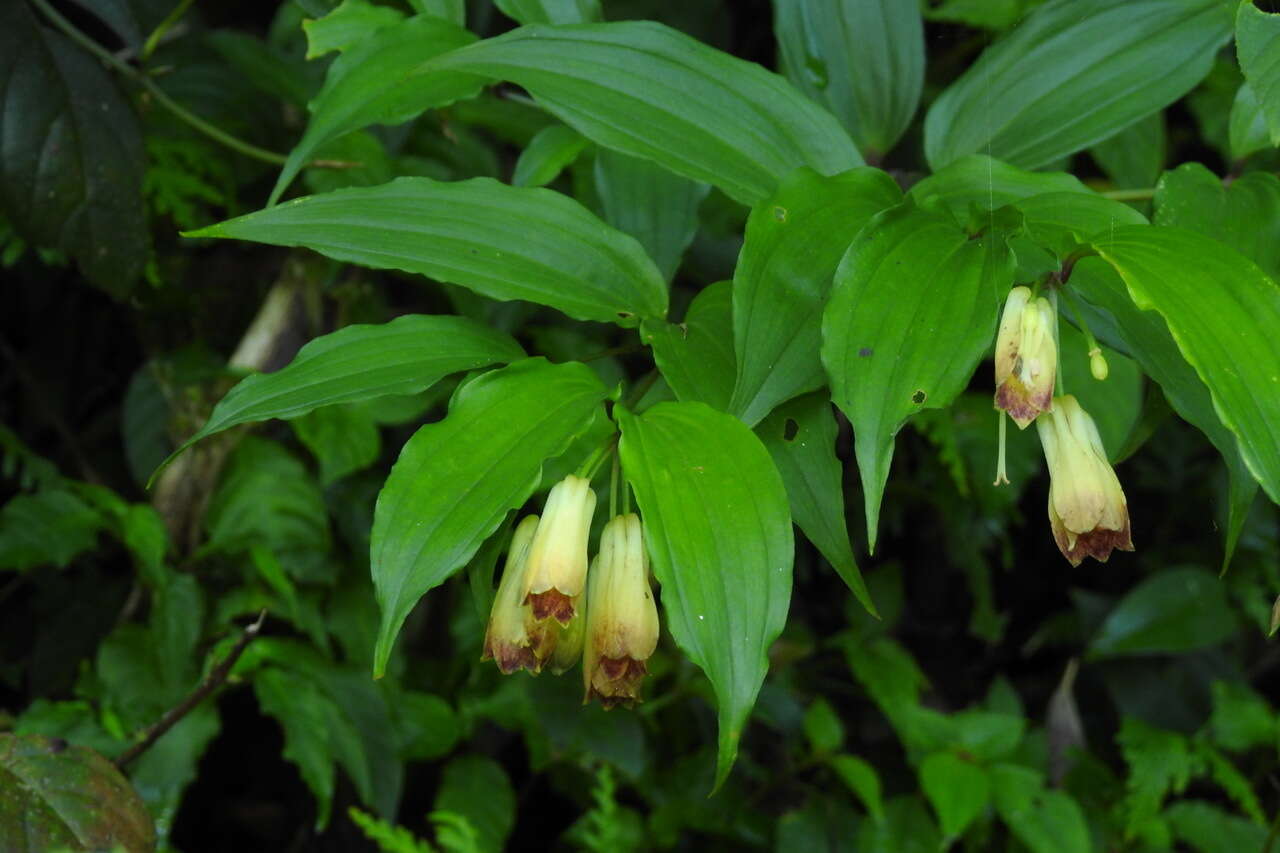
(1131, 195)
(211, 683)
(209, 130)
(153, 40)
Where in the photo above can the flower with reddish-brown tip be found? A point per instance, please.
(1087, 508)
(514, 639)
(557, 570)
(622, 618)
(1026, 357)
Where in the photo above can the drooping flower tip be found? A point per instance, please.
(513, 639)
(1088, 512)
(622, 619)
(1026, 356)
(557, 567)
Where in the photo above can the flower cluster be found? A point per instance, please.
(550, 610)
(1088, 512)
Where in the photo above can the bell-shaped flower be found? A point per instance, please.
(514, 639)
(622, 617)
(1026, 356)
(557, 570)
(1087, 507)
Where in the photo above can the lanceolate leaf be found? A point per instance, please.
(652, 92)
(1244, 215)
(504, 242)
(362, 362)
(71, 158)
(912, 310)
(719, 535)
(800, 435)
(1258, 49)
(1223, 312)
(794, 241)
(696, 356)
(1072, 74)
(456, 479)
(862, 59)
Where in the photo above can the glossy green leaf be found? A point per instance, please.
(549, 152)
(988, 183)
(1258, 49)
(1061, 221)
(71, 154)
(382, 79)
(1145, 335)
(1134, 157)
(719, 535)
(957, 789)
(1247, 130)
(451, 10)
(863, 60)
(987, 14)
(794, 240)
(60, 796)
(1223, 312)
(362, 362)
(461, 233)
(1244, 215)
(657, 207)
(800, 435)
(646, 90)
(551, 11)
(457, 478)
(912, 311)
(696, 356)
(1175, 610)
(1073, 73)
(349, 24)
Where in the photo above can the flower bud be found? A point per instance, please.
(513, 639)
(1026, 357)
(569, 638)
(622, 619)
(1087, 507)
(1098, 364)
(557, 570)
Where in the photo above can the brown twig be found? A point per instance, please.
(211, 683)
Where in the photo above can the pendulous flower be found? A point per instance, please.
(557, 570)
(514, 639)
(622, 617)
(1087, 507)
(1026, 356)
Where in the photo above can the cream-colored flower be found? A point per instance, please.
(514, 639)
(1087, 508)
(1026, 356)
(557, 570)
(622, 617)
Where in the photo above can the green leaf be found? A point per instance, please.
(1060, 221)
(1241, 718)
(1247, 126)
(349, 24)
(912, 311)
(647, 90)
(382, 79)
(657, 207)
(696, 356)
(1134, 157)
(549, 152)
(907, 828)
(1071, 74)
(1209, 829)
(71, 162)
(164, 771)
(305, 715)
(864, 61)
(792, 245)
(1258, 49)
(144, 534)
(177, 619)
(800, 435)
(49, 527)
(457, 478)
(1244, 215)
(1147, 337)
(986, 14)
(1160, 762)
(66, 796)
(794, 241)
(1222, 310)
(342, 438)
(389, 837)
(977, 179)
(451, 10)
(1047, 821)
(957, 789)
(428, 726)
(823, 727)
(1175, 610)
(478, 789)
(719, 534)
(860, 778)
(565, 257)
(988, 735)
(551, 11)
(362, 362)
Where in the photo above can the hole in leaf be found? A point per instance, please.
(789, 429)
